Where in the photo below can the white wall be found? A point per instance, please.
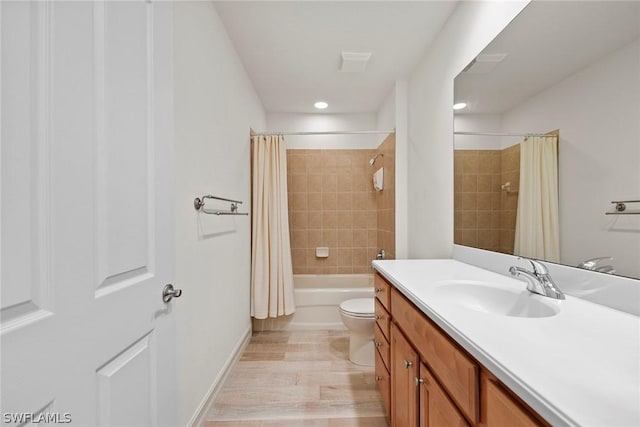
(598, 114)
(402, 170)
(300, 122)
(386, 115)
(490, 123)
(430, 130)
(215, 106)
(392, 114)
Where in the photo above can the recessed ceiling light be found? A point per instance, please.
(321, 105)
(459, 105)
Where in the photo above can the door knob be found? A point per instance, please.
(168, 293)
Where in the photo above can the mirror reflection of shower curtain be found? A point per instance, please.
(271, 269)
(537, 223)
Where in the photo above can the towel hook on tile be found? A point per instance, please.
(507, 187)
(199, 205)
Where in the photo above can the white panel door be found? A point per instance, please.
(86, 214)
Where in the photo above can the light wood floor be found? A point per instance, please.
(298, 378)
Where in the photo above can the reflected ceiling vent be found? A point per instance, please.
(354, 62)
(484, 63)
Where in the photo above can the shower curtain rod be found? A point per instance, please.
(334, 132)
(501, 134)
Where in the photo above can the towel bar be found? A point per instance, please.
(198, 204)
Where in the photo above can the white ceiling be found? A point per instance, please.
(546, 43)
(291, 49)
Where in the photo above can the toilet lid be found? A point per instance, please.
(358, 307)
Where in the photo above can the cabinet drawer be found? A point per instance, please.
(436, 410)
(384, 384)
(382, 345)
(382, 319)
(382, 290)
(500, 409)
(457, 372)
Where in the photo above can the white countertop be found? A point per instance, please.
(580, 367)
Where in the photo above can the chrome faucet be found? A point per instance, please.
(538, 280)
(592, 264)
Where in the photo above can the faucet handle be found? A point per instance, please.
(591, 264)
(609, 269)
(538, 267)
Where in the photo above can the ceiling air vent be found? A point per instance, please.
(484, 63)
(354, 62)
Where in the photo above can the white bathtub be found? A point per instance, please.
(318, 297)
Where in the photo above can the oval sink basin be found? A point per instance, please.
(490, 299)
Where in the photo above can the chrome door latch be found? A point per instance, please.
(168, 293)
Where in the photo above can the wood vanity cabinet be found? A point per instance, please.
(405, 367)
(426, 379)
(418, 399)
(381, 337)
(436, 409)
(501, 408)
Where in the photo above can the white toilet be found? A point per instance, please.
(358, 315)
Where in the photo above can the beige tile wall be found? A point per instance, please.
(510, 172)
(477, 202)
(484, 215)
(332, 203)
(387, 197)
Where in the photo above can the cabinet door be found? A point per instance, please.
(404, 371)
(436, 410)
(500, 409)
(456, 371)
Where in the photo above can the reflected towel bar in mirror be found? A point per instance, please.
(621, 208)
(198, 204)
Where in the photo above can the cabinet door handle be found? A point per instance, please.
(378, 290)
(378, 317)
(379, 378)
(408, 364)
(377, 344)
(418, 381)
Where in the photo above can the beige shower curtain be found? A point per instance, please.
(537, 228)
(271, 271)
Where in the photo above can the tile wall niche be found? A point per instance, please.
(332, 203)
(484, 214)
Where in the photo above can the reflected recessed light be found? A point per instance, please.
(459, 105)
(321, 105)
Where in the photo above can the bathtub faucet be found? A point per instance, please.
(380, 254)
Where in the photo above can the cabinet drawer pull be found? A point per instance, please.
(378, 290)
(408, 364)
(418, 381)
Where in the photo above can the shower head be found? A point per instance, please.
(373, 160)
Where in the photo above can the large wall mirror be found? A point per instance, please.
(553, 113)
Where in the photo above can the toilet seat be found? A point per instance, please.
(358, 307)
